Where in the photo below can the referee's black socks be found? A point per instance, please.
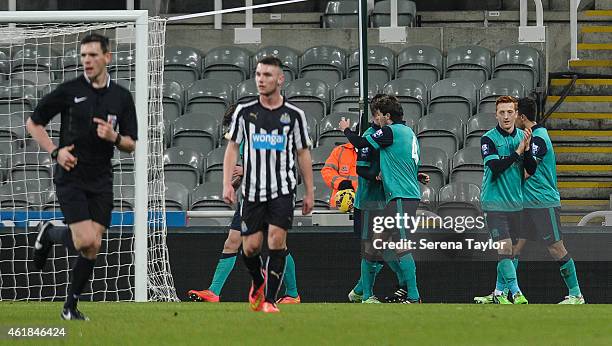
(81, 272)
(254, 265)
(61, 235)
(275, 270)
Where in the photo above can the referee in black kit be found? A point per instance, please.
(92, 107)
(272, 131)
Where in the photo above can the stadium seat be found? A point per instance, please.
(326, 63)
(12, 128)
(329, 133)
(177, 196)
(16, 196)
(519, 62)
(429, 198)
(182, 64)
(494, 88)
(319, 155)
(123, 178)
(453, 95)
(183, 165)
(70, 65)
(411, 93)
(469, 62)
(341, 14)
(322, 194)
(173, 99)
(246, 91)
(381, 64)
(123, 197)
(127, 84)
(459, 199)
(312, 126)
(49, 200)
(34, 63)
(440, 130)
(209, 196)
(381, 16)
(210, 96)
(310, 95)
(477, 126)
(32, 168)
(229, 63)
(288, 56)
(123, 65)
(122, 161)
(423, 63)
(4, 66)
(213, 170)
(345, 95)
(198, 131)
(467, 166)
(434, 162)
(17, 96)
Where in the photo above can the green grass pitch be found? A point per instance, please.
(315, 324)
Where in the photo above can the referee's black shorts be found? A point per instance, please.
(80, 202)
(256, 216)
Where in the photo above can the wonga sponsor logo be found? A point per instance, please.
(268, 141)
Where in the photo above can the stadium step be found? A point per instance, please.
(583, 86)
(572, 210)
(576, 154)
(579, 121)
(595, 66)
(582, 103)
(582, 170)
(585, 189)
(571, 219)
(596, 33)
(600, 14)
(580, 136)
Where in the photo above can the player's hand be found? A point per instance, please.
(379, 177)
(66, 159)
(105, 130)
(307, 204)
(238, 171)
(344, 124)
(423, 178)
(229, 194)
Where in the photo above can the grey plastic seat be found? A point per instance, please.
(441, 130)
(214, 165)
(128, 84)
(123, 64)
(341, 14)
(494, 88)
(211, 96)
(4, 66)
(70, 65)
(327, 63)
(381, 64)
(322, 194)
(459, 199)
(177, 196)
(32, 168)
(519, 62)
(467, 166)
(246, 91)
(319, 155)
(345, 95)
(310, 95)
(17, 96)
(182, 64)
(12, 128)
(123, 197)
(122, 161)
(183, 165)
(477, 126)
(208, 196)
(34, 63)
(429, 198)
(434, 162)
(49, 200)
(123, 178)
(198, 131)
(411, 93)
(228, 63)
(420, 62)
(288, 56)
(406, 13)
(469, 62)
(453, 95)
(16, 196)
(173, 98)
(329, 133)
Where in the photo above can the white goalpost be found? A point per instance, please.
(37, 52)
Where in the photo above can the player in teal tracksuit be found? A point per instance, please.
(541, 200)
(502, 149)
(399, 163)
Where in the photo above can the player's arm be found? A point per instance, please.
(535, 154)
(367, 167)
(236, 134)
(491, 157)
(382, 138)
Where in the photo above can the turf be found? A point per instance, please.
(315, 324)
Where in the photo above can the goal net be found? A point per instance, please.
(34, 59)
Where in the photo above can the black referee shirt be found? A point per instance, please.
(271, 138)
(79, 102)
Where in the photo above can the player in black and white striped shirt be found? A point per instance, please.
(274, 135)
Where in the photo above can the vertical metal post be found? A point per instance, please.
(249, 15)
(363, 66)
(394, 13)
(129, 5)
(218, 17)
(524, 12)
(574, 29)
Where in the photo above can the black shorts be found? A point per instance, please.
(235, 224)
(256, 216)
(504, 225)
(80, 202)
(542, 223)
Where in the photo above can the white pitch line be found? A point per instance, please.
(235, 9)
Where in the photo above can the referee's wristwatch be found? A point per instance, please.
(54, 153)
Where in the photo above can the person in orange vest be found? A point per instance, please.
(340, 170)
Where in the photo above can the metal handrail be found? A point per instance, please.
(606, 214)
